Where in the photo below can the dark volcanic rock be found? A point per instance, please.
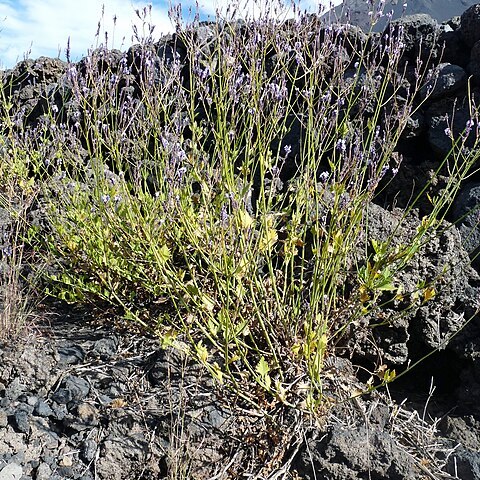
(442, 258)
(447, 118)
(21, 421)
(467, 210)
(356, 454)
(474, 65)
(72, 432)
(454, 50)
(419, 33)
(465, 465)
(106, 348)
(450, 79)
(465, 433)
(33, 85)
(71, 354)
(470, 25)
(42, 409)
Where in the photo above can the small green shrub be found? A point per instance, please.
(167, 198)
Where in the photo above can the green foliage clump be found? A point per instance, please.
(167, 196)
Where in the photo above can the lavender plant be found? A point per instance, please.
(175, 192)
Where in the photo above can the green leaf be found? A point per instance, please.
(262, 367)
(386, 287)
(202, 352)
(164, 254)
(389, 375)
(343, 129)
(371, 124)
(212, 327)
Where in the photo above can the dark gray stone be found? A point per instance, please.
(419, 33)
(216, 417)
(463, 430)
(106, 347)
(474, 65)
(44, 433)
(415, 126)
(466, 209)
(71, 354)
(42, 409)
(470, 25)
(59, 410)
(65, 472)
(88, 450)
(450, 79)
(465, 464)
(439, 139)
(78, 387)
(21, 421)
(428, 323)
(454, 50)
(168, 50)
(62, 396)
(14, 390)
(354, 454)
(165, 363)
(3, 418)
(50, 460)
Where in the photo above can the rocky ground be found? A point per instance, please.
(81, 399)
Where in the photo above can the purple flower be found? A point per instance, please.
(324, 177)
(224, 215)
(277, 92)
(307, 93)
(341, 145)
(180, 173)
(72, 72)
(469, 126)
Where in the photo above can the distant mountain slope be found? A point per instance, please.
(357, 10)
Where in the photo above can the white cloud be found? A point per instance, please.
(44, 27)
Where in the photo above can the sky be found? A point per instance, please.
(34, 28)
